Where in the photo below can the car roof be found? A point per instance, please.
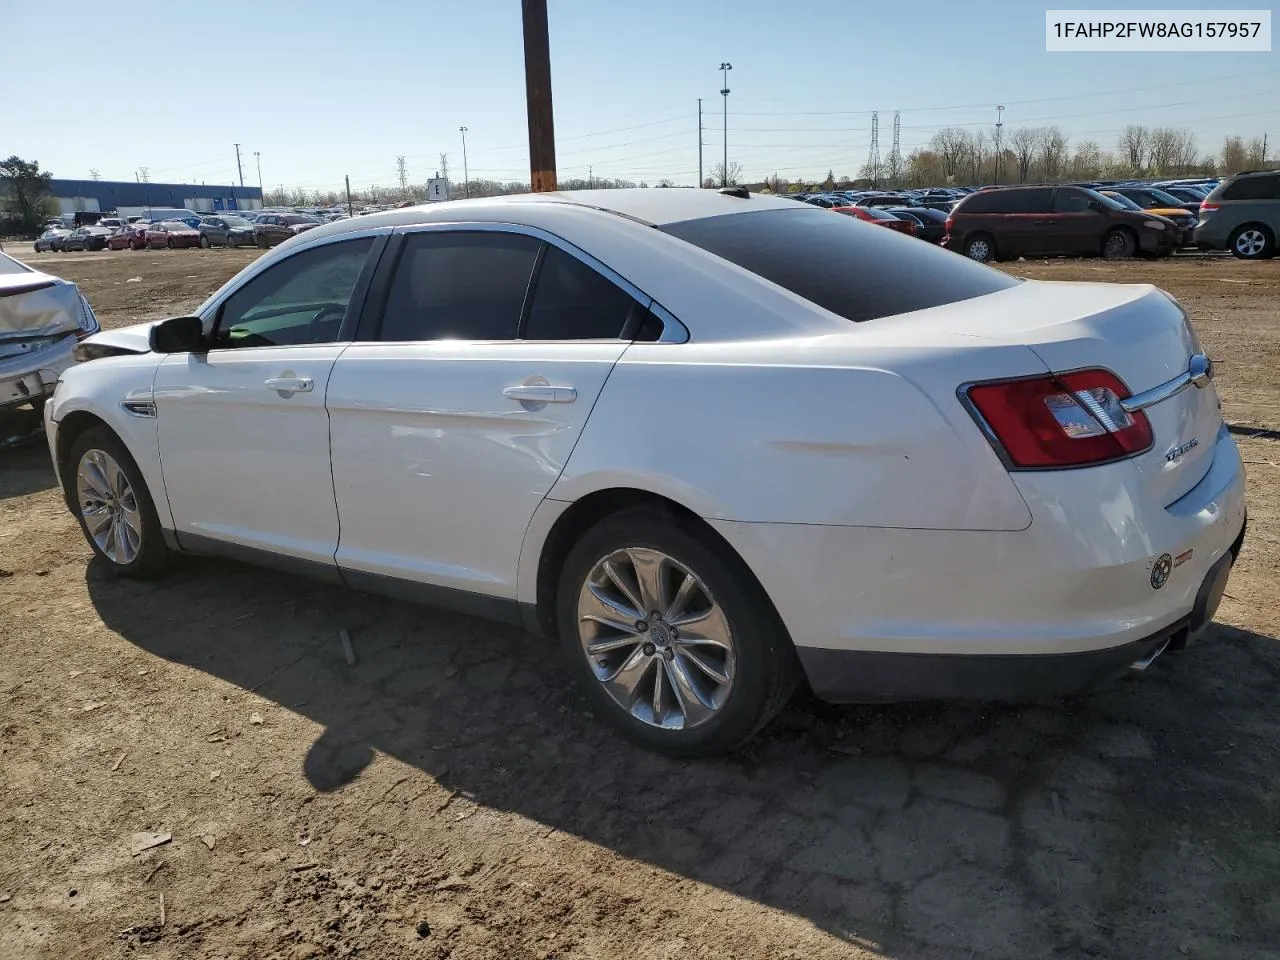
(652, 206)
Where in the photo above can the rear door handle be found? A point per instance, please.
(289, 384)
(540, 393)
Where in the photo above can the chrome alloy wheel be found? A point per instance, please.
(109, 507)
(979, 250)
(1250, 243)
(655, 638)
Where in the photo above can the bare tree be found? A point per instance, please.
(1086, 161)
(1257, 153)
(1024, 141)
(923, 168)
(1234, 156)
(1053, 152)
(1135, 145)
(718, 175)
(952, 146)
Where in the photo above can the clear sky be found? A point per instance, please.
(326, 88)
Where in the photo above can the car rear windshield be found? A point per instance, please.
(855, 269)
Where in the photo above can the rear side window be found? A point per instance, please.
(1253, 188)
(573, 302)
(459, 286)
(1071, 201)
(860, 271)
(992, 201)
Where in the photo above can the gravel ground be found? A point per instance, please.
(451, 796)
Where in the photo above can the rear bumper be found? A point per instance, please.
(879, 613)
(23, 379)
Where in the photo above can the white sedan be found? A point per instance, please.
(714, 442)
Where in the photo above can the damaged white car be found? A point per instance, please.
(42, 318)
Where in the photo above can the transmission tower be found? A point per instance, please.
(404, 177)
(444, 165)
(895, 155)
(873, 157)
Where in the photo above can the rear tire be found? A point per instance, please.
(1253, 241)
(980, 247)
(726, 601)
(1119, 245)
(139, 553)
(169, 243)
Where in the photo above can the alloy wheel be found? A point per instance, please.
(656, 639)
(109, 507)
(1250, 243)
(979, 250)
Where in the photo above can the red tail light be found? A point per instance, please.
(1061, 420)
(1206, 207)
(951, 222)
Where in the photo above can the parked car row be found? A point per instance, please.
(261, 229)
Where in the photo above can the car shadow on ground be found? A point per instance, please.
(1112, 824)
(24, 456)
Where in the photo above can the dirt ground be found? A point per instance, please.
(451, 796)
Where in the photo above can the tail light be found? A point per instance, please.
(1060, 420)
(951, 222)
(1206, 207)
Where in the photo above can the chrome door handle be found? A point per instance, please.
(540, 393)
(289, 384)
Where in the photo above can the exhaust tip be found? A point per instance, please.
(1143, 662)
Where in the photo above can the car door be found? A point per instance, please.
(244, 434)
(453, 421)
(1078, 223)
(1031, 223)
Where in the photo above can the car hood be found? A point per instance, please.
(38, 305)
(135, 338)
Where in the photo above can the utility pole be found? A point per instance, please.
(590, 178)
(699, 143)
(873, 156)
(404, 177)
(239, 168)
(94, 175)
(724, 92)
(999, 140)
(1264, 148)
(466, 179)
(144, 175)
(258, 158)
(537, 91)
(350, 213)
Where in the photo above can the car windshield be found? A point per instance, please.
(877, 213)
(236, 222)
(1166, 197)
(850, 268)
(1124, 201)
(1111, 203)
(171, 225)
(299, 218)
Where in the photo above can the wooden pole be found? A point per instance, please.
(537, 86)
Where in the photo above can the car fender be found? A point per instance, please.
(102, 388)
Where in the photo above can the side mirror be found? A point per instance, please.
(179, 335)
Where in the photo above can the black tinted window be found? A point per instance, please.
(860, 271)
(301, 299)
(459, 286)
(1253, 188)
(1071, 201)
(574, 302)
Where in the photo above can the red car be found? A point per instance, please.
(171, 234)
(874, 215)
(132, 236)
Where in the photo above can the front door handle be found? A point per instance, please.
(540, 393)
(289, 385)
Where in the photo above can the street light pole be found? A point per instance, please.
(724, 92)
(466, 178)
(999, 140)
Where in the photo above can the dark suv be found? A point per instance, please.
(1004, 223)
(1242, 214)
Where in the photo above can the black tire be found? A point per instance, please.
(980, 247)
(1252, 241)
(154, 558)
(169, 243)
(766, 666)
(232, 242)
(1119, 244)
(204, 242)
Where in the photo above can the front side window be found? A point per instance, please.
(459, 286)
(573, 302)
(1071, 201)
(301, 299)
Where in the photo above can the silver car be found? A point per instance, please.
(42, 318)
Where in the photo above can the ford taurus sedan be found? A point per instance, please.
(171, 234)
(716, 443)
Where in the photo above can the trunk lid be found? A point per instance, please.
(1137, 332)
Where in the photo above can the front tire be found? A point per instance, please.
(670, 636)
(980, 247)
(115, 510)
(204, 242)
(1118, 245)
(1253, 241)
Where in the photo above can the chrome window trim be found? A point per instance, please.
(673, 331)
(210, 308)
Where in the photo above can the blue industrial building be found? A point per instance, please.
(132, 199)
